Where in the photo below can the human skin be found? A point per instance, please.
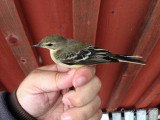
(43, 93)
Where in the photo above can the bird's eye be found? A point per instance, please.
(49, 44)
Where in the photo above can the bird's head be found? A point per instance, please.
(51, 42)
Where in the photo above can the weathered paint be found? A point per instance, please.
(109, 24)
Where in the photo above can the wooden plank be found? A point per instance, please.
(85, 18)
(148, 74)
(155, 102)
(10, 72)
(16, 36)
(46, 17)
(147, 40)
(118, 25)
(150, 94)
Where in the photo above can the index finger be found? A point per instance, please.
(55, 68)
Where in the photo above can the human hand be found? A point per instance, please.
(43, 93)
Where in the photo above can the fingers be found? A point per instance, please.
(55, 77)
(97, 116)
(83, 75)
(54, 67)
(51, 81)
(84, 94)
(83, 113)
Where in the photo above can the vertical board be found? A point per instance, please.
(148, 38)
(150, 94)
(155, 102)
(16, 36)
(85, 18)
(111, 24)
(118, 25)
(47, 17)
(10, 73)
(149, 74)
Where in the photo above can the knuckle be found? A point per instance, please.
(92, 69)
(98, 83)
(78, 102)
(35, 72)
(98, 101)
(85, 116)
(55, 78)
(89, 70)
(97, 116)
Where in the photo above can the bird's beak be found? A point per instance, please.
(37, 45)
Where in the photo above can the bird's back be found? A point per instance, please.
(75, 45)
(71, 48)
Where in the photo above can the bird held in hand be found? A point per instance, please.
(74, 54)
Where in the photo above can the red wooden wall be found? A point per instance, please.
(123, 27)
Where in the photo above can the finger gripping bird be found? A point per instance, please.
(74, 54)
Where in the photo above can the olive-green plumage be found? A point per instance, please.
(73, 54)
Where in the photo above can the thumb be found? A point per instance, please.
(50, 80)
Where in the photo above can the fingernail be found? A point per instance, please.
(79, 81)
(66, 116)
(71, 72)
(66, 101)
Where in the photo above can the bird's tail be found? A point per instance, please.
(129, 59)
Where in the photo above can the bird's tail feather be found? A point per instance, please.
(129, 59)
(133, 56)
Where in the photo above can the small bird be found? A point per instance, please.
(74, 54)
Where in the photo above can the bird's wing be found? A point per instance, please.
(89, 56)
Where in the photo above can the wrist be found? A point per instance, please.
(16, 109)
